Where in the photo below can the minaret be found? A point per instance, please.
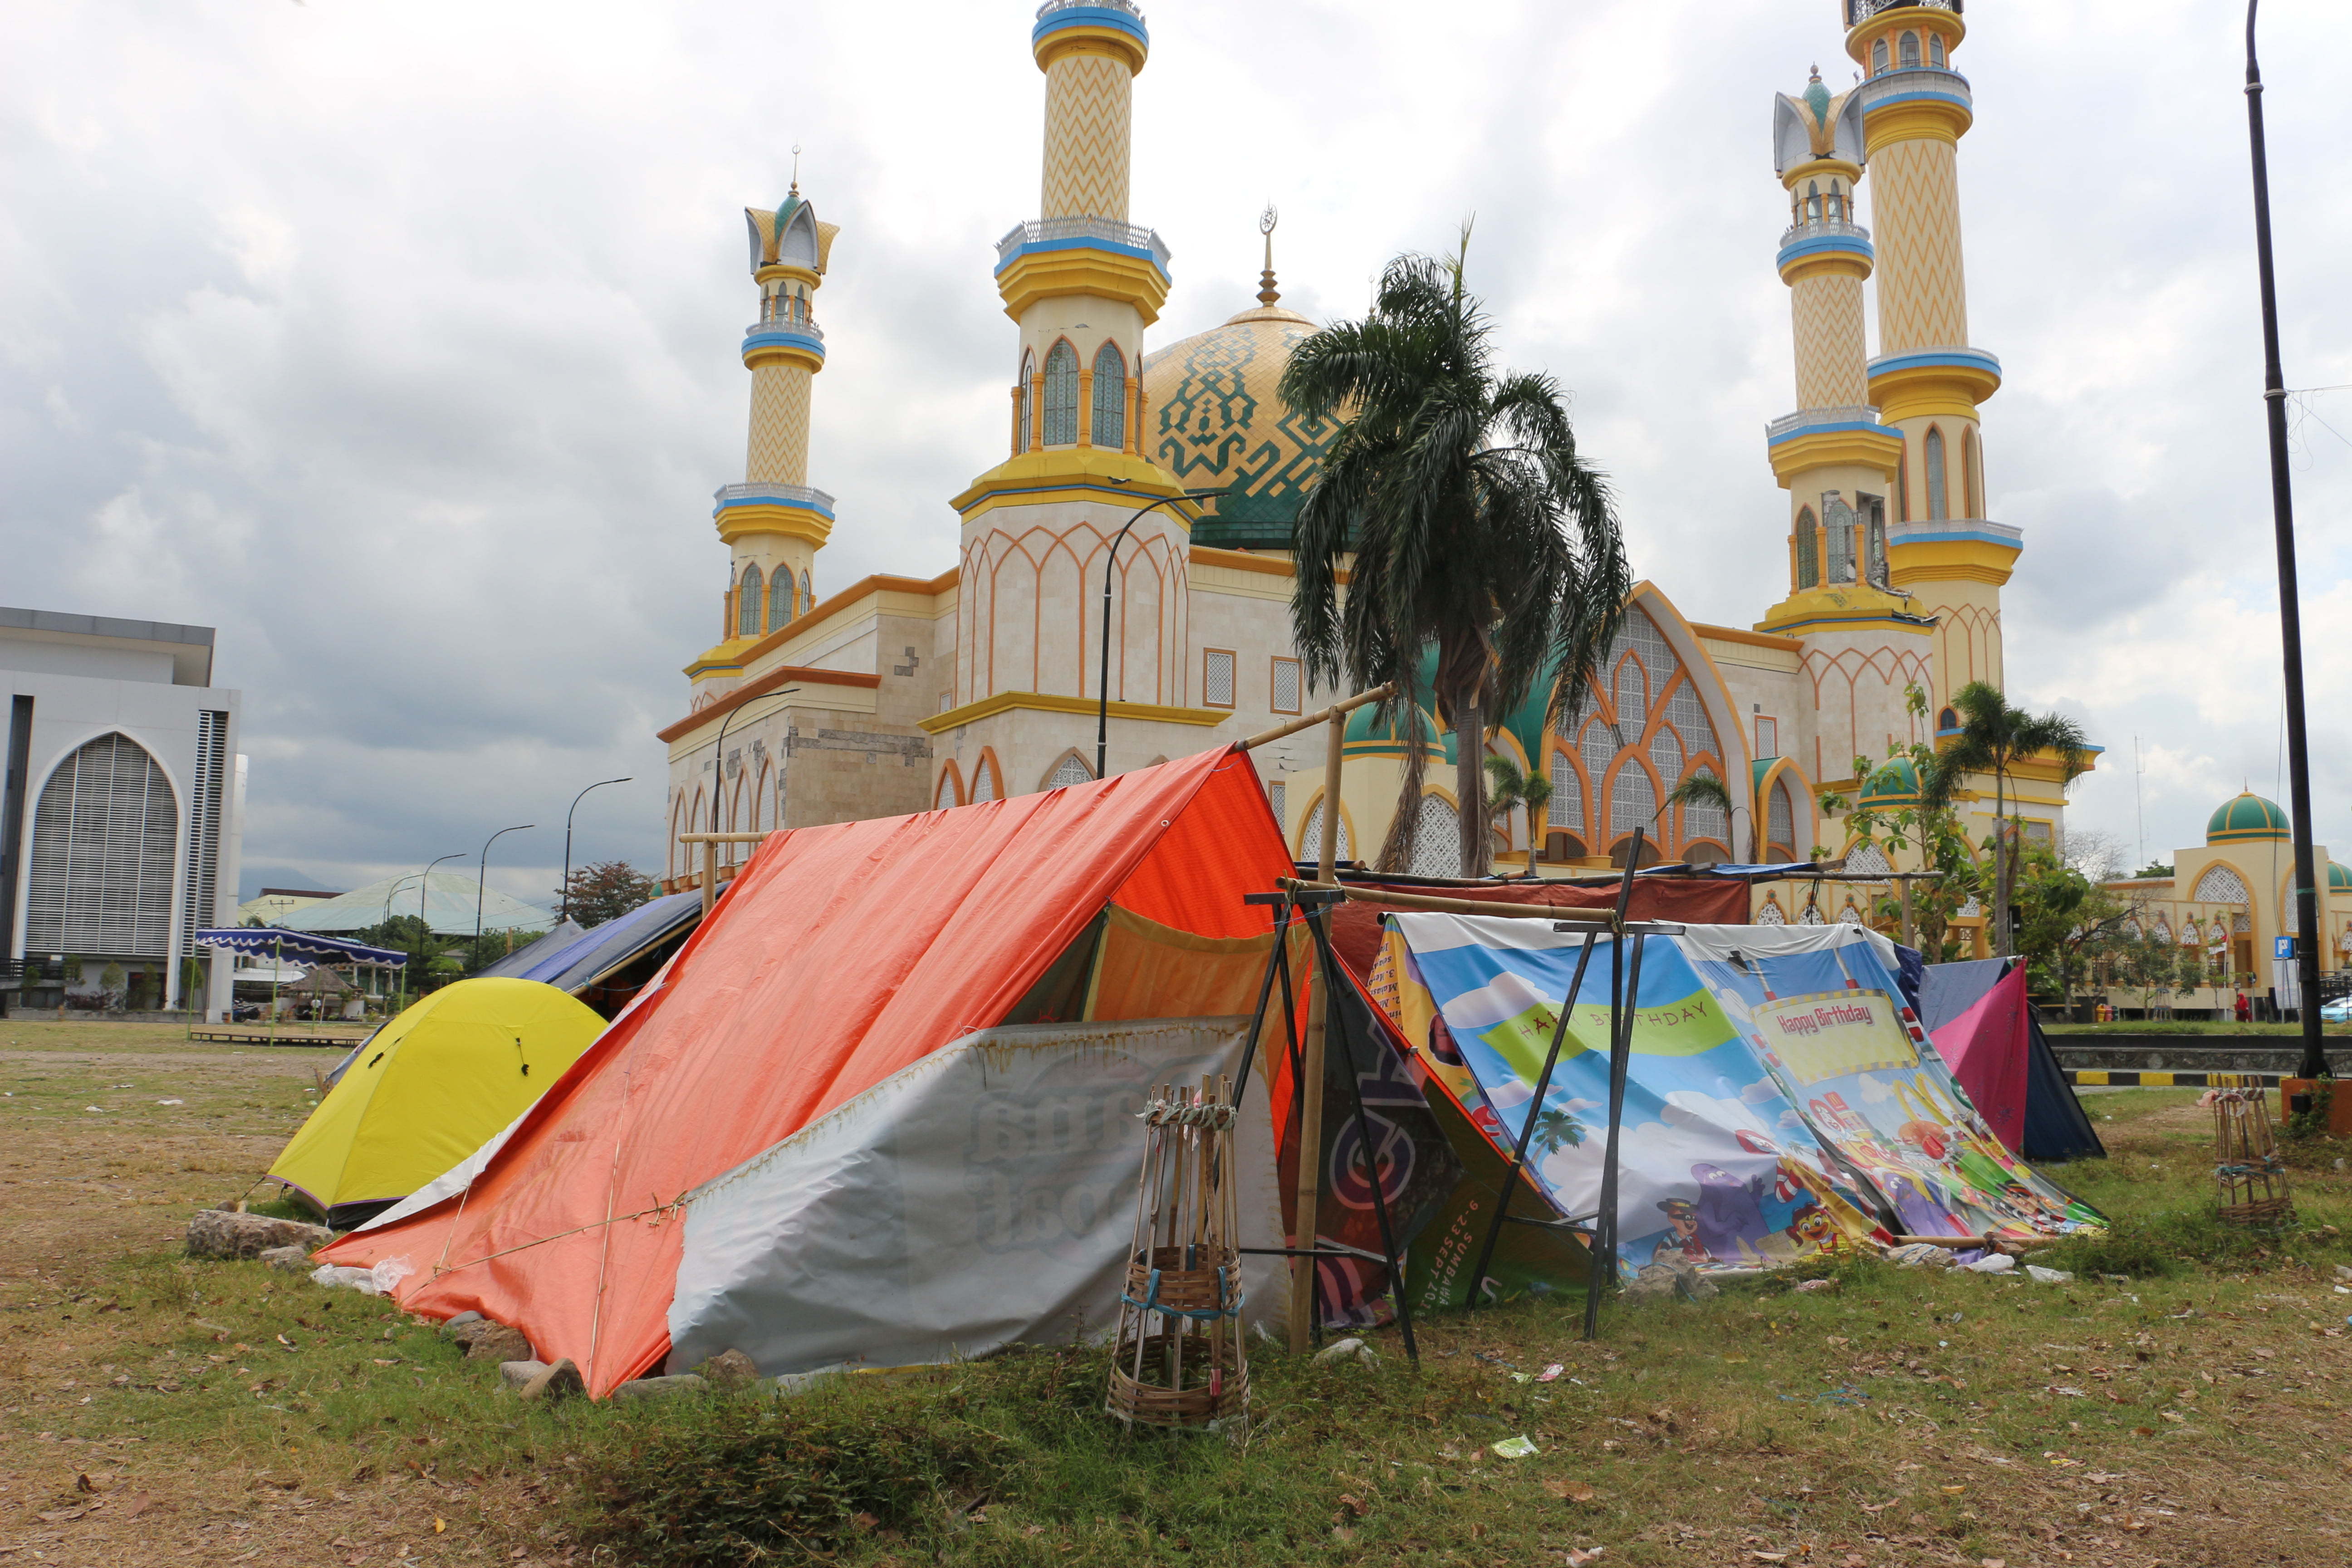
(1863, 641)
(1926, 380)
(1083, 283)
(774, 523)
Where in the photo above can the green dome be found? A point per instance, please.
(1817, 98)
(1364, 738)
(1893, 786)
(2247, 820)
(2339, 877)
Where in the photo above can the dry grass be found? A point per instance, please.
(2194, 1417)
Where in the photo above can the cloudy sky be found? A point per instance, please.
(399, 342)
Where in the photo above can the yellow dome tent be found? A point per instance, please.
(433, 1086)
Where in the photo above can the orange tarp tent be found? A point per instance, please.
(838, 956)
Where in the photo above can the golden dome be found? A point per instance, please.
(1212, 419)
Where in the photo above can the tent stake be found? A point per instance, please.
(1527, 1129)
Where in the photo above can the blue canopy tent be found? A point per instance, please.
(304, 947)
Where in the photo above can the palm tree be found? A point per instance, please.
(1474, 525)
(1508, 787)
(1705, 789)
(1555, 1130)
(1994, 738)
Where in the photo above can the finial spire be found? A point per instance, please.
(1268, 293)
(796, 169)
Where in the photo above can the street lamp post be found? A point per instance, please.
(2298, 744)
(423, 925)
(484, 871)
(564, 913)
(1102, 712)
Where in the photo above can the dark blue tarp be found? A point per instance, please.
(2056, 1125)
(300, 946)
(518, 963)
(601, 949)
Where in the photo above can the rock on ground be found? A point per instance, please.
(562, 1380)
(1346, 1350)
(223, 1233)
(730, 1368)
(295, 1259)
(519, 1373)
(488, 1341)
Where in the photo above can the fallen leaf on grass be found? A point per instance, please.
(1570, 1491)
(439, 1525)
(1768, 1557)
(1578, 1559)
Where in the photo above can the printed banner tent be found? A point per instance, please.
(428, 1088)
(1985, 1027)
(1780, 1092)
(642, 1208)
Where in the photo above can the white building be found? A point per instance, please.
(122, 811)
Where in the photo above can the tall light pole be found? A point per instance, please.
(2298, 745)
(1102, 713)
(423, 925)
(484, 871)
(564, 913)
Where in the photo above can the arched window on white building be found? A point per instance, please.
(1437, 839)
(1061, 395)
(1110, 414)
(105, 830)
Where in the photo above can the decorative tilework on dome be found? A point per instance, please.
(1213, 420)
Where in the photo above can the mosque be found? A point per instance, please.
(1176, 474)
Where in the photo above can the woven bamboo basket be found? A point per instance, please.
(2246, 1161)
(1178, 1360)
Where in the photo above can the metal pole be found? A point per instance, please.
(484, 871)
(423, 924)
(564, 911)
(1602, 1254)
(1527, 1128)
(2298, 745)
(1102, 707)
(1311, 1088)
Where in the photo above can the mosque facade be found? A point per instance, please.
(898, 694)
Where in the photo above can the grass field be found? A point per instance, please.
(152, 1409)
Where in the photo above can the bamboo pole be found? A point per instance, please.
(1309, 721)
(1310, 1090)
(710, 842)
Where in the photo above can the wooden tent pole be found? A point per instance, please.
(1310, 1091)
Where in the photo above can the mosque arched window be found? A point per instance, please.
(1878, 57)
(1780, 823)
(1813, 201)
(1109, 411)
(1910, 51)
(1061, 417)
(808, 591)
(1938, 503)
(1935, 50)
(1968, 475)
(1633, 802)
(1837, 203)
(1874, 530)
(1025, 404)
(1837, 524)
(748, 602)
(783, 600)
(1809, 550)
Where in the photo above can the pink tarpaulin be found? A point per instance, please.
(1987, 1049)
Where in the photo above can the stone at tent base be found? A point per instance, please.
(487, 1341)
(1349, 1350)
(517, 1374)
(291, 1259)
(449, 1327)
(223, 1233)
(662, 1387)
(562, 1380)
(1661, 1281)
(731, 1369)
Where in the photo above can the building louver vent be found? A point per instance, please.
(200, 886)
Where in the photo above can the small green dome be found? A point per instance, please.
(1895, 785)
(2339, 877)
(2247, 820)
(1817, 98)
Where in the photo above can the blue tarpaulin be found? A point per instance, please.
(602, 949)
(301, 946)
